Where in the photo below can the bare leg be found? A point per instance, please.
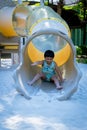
(36, 77)
(54, 78)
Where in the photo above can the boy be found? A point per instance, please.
(49, 70)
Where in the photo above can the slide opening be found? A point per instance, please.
(38, 45)
(56, 41)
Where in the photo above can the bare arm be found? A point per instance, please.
(37, 63)
(59, 73)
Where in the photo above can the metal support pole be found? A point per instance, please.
(19, 1)
(42, 2)
(0, 59)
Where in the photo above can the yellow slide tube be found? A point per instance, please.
(6, 27)
(60, 57)
(13, 20)
(47, 30)
(32, 22)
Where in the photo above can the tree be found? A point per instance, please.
(60, 5)
(80, 7)
(85, 20)
(83, 6)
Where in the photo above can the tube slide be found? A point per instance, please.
(11, 17)
(47, 30)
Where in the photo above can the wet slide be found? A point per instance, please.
(45, 29)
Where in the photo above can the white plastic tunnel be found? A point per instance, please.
(13, 20)
(47, 30)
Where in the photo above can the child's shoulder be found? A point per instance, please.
(55, 63)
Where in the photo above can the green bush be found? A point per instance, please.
(82, 60)
(78, 50)
(81, 50)
(81, 54)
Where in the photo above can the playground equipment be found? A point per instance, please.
(44, 29)
(7, 25)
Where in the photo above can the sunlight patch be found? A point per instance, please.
(33, 123)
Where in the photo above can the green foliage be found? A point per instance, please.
(81, 54)
(80, 7)
(37, 4)
(78, 50)
(81, 60)
(81, 50)
(46, 2)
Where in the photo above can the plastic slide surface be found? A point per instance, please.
(11, 17)
(47, 31)
(44, 29)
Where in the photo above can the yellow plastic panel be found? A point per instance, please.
(6, 27)
(60, 57)
(13, 21)
(11, 47)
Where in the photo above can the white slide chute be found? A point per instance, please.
(44, 29)
(47, 30)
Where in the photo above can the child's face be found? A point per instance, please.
(49, 60)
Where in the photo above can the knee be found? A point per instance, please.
(54, 78)
(40, 75)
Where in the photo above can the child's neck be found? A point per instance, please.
(48, 63)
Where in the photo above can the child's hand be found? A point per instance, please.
(33, 64)
(37, 63)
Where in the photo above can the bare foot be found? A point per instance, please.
(29, 83)
(59, 88)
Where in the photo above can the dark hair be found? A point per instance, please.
(49, 53)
